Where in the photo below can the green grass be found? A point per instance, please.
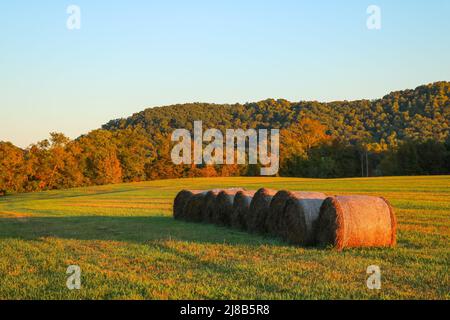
(129, 247)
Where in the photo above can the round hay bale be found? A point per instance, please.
(223, 206)
(356, 221)
(209, 205)
(241, 207)
(259, 208)
(276, 211)
(300, 217)
(194, 207)
(180, 201)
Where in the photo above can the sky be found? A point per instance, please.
(131, 55)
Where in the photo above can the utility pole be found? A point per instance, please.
(367, 163)
(362, 164)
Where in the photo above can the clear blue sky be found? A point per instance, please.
(130, 55)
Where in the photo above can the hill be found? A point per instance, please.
(420, 114)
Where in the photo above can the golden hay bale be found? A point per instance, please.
(300, 216)
(194, 207)
(209, 205)
(180, 201)
(223, 206)
(356, 221)
(241, 207)
(259, 208)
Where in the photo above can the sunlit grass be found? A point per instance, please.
(129, 247)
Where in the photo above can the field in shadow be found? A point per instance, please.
(126, 229)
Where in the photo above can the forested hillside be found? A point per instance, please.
(403, 133)
(419, 114)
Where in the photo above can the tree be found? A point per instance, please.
(13, 172)
(134, 151)
(100, 162)
(54, 164)
(408, 159)
(431, 157)
(297, 140)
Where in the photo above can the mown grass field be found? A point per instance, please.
(128, 246)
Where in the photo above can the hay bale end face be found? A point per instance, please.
(193, 209)
(300, 217)
(276, 212)
(241, 207)
(356, 221)
(180, 201)
(258, 211)
(223, 207)
(209, 206)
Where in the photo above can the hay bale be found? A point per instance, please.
(209, 205)
(180, 201)
(194, 207)
(300, 216)
(259, 208)
(356, 221)
(276, 211)
(223, 206)
(241, 207)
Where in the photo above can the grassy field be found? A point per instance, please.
(128, 246)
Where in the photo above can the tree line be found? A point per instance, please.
(403, 133)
